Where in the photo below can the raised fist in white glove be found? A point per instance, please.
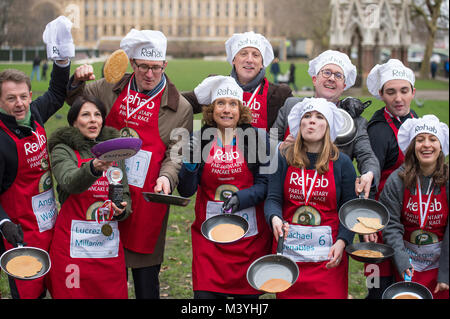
(58, 38)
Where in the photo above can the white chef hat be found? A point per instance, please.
(145, 45)
(239, 41)
(215, 87)
(58, 39)
(327, 109)
(334, 57)
(391, 70)
(426, 124)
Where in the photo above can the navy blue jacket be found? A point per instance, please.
(344, 177)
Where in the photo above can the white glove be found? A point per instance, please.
(58, 39)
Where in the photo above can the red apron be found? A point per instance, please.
(386, 266)
(423, 244)
(30, 200)
(223, 267)
(313, 229)
(86, 263)
(141, 230)
(258, 105)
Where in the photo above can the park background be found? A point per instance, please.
(175, 277)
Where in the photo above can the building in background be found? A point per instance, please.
(193, 27)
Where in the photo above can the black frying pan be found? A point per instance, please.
(386, 250)
(361, 207)
(274, 266)
(166, 199)
(223, 218)
(407, 287)
(41, 255)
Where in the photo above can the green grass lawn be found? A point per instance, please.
(176, 280)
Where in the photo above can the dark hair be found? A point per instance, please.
(78, 104)
(14, 75)
(412, 168)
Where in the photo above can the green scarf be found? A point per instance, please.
(25, 122)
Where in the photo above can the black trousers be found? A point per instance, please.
(146, 282)
(200, 294)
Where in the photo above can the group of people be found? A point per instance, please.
(261, 153)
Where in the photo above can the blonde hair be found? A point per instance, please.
(295, 153)
(245, 115)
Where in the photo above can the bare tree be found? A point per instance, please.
(24, 24)
(435, 18)
(4, 18)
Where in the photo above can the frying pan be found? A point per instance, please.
(274, 266)
(224, 218)
(348, 132)
(166, 199)
(386, 250)
(361, 207)
(117, 148)
(41, 255)
(403, 287)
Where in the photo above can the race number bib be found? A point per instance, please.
(137, 168)
(44, 208)
(87, 240)
(424, 257)
(308, 243)
(215, 208)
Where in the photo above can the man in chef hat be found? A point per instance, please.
(393, 83)
(144, 104)
(332, 72)
(25, 175)
(249, 54)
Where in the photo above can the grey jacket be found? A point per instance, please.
(360, 148)
(392, 198)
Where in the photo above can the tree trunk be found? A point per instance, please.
(425, 66)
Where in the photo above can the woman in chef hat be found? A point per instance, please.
(416, 195)
(226, 178)
(312, 181)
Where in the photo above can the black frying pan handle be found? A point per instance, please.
(280, 244)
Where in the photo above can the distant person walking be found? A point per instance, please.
(36, 68)
(44, 70)
(446, 68)
(275, 69)
(292, 76)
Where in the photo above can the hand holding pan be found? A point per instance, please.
(277, 269)
(41, 255)
(117, 148)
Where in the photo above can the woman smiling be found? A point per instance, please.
(416, 195)
(225, 178)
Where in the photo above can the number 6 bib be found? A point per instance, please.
(308, 244)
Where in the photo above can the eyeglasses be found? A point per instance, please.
(337, 75)
(144, 68)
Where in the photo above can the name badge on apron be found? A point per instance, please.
(87, 240)
(137, 168)
(44, 208)
(215, 208)
(424, 257)
(308, 244)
